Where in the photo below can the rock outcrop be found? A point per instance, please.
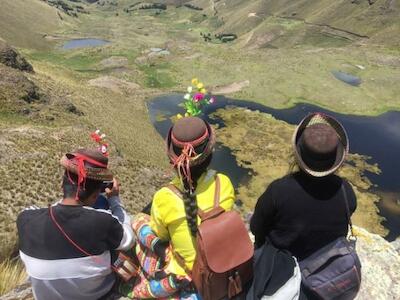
(380, 267)
(15, 86)
(380, 270)
(11, 58)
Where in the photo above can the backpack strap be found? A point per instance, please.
(175, 190)
(216, 208)
(348, 212)
(217, 193)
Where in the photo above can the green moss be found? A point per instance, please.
(323, 39)
(76, 61)
(158, 76)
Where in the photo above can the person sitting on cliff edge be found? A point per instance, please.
(166, 239)
(311, 207)
(66, 248)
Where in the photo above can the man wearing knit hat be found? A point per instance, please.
(66, 248)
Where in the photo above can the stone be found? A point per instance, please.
(158, 52)
(380, 267)
(396, 245)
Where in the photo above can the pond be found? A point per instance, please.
(377, 137)
(84, 43)
(347, 78)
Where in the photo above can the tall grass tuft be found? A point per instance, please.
(12, 274)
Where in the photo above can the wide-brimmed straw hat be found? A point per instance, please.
(320, 144)
(87, 163)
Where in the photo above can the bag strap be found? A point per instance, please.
(175, 190)
(179, 193)
(181, 262)
(67, 237)
(348, 212)
(217, 192)
(72, 242)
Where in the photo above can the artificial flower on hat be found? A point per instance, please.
(99, 138)
(196, 99)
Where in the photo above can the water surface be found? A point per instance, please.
(377, 137)
(347, 78)
(84, 43)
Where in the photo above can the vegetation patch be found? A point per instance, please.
(161, 6)
(144, 6)
(157, 76)
(70, 9)
(220, 37)
(192, 6)
(16, 87)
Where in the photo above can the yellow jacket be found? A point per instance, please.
(168, 217)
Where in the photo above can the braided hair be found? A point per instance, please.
(189, 144)
(189, 196)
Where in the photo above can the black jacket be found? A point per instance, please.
(302, 214)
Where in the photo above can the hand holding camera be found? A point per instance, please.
(112, 189)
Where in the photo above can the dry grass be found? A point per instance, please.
(23, 23)
(12, 274)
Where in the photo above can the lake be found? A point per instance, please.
(347, 78)
(84, 43)
(377, 137)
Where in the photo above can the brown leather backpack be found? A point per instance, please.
(224, 252)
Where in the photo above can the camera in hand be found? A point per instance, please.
(106, 185)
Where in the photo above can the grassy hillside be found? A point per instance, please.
(23, 23)
(377, 22)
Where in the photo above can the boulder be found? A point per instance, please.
(11, 58)
(396, 245)
(380, 267)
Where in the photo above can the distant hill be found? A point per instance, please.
(24, 22)
(377, 21)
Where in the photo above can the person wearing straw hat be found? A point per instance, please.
(66, 248)
(174, 214)
(305, 210)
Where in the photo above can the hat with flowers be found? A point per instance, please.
(196, 99)
(190, 141)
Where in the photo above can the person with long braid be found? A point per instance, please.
(166, 239)
(190, 144)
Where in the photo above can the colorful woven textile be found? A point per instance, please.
(152, 282)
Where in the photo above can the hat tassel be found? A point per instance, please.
(182, 163)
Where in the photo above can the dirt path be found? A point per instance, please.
(230, 88)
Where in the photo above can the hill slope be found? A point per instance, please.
(24, 22)
(378, 21)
